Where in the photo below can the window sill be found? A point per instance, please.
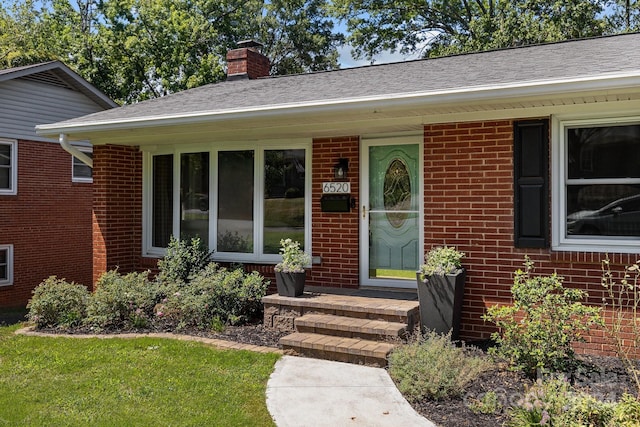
(626, 246)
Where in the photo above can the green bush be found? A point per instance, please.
(123, 302)
(184, 259)
(215, 295)
(433, 367)
(538, 329)
(555, 403)
(627, 412)
(488, 404)
(56, 302)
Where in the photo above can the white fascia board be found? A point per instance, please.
(542, 88)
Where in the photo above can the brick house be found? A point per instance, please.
(45, 193)
(524, 151)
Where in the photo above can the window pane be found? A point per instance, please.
(162, 200)
(607, 210)
(194, 196)
(5, 178)
(235, 201)
(604, 152)
(283, 198)
(80, 170)
(5, 154)
(4, 274)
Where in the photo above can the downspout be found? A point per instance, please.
(74, 151)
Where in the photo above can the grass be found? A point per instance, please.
(144, 381)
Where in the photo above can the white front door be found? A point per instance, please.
(391, 212)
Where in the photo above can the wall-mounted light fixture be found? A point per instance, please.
(341, 168)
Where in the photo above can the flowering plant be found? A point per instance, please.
(293, 258)
(441, 261)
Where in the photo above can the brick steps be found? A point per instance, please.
(345, 328)
(351, 327)
(341, 349)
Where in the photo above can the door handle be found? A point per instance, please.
(364, 211)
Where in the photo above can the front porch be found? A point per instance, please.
(359, 326)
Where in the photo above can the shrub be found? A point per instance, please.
(441, 261)
(488, 404)
(555, 403)
(125, 302)
(294, 259)
(184, 259)
(216, 295)
(56, 302)
(538, 329)
(627, 412)
(433, 367)
(623, 301)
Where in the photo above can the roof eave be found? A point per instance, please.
(509, 92)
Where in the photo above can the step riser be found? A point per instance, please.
(335, 356)
(350, 334)
(282, 317)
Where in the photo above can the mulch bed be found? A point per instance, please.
(604, 377)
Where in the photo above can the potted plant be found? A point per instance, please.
(441, 289)
(290, 275)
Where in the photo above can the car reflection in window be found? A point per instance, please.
(618, 218)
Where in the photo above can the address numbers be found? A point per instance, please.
(336, 187)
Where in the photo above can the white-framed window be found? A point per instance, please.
(6, 265)
(240, 199)
(596, 183)
(80, 172)
(8, 167)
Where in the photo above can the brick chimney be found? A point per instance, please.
(246, 62)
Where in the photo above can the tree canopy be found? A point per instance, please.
(139, 49)
(438, 27)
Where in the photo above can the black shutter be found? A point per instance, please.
(531, 175)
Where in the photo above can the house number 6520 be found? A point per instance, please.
(336, 187)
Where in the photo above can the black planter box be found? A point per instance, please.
(290, 284)
(441, 302)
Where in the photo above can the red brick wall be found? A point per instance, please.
(117, 208)
(469, 204)
(48, 222)
(335, 235)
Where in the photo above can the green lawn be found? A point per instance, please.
(118, 382)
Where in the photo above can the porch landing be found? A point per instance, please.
(356, 326)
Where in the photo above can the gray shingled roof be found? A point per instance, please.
(569, 61)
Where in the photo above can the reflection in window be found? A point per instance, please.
(235, 201)
(603, 182)
(81, 171)
(162, 210)
(194, 196)
(284, 182)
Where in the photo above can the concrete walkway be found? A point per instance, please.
(315, 393)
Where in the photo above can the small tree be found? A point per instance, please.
(537, 331)
(623, 325)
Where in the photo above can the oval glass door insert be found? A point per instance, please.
(397, 192)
